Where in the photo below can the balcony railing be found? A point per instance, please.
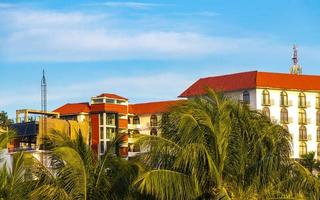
(25, 149)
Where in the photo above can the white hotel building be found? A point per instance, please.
(292, 100)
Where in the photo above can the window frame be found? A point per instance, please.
(303, 133)
(284, 116)
(246, 97)
(266, 98)
(284, 100)
(302, 100)
(303, 149)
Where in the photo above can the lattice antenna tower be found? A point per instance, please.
(44, 116)
(296, 68)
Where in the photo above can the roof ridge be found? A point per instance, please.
(229, 74)
(157, 102)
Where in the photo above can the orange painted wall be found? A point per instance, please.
(123, 123)
(95, 131)
(122, 109)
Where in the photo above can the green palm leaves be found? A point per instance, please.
(215, 148)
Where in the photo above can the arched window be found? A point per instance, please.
(318, 134)
(302, 149)
(246, 97)
(318, 118)
(136, 120)
(265, 98)
(154, 132)
(303, 133)
(266, 112)
(302, 116)
(284, 119)
(153, 120)
(318, 101)
(283, 98)
(302, 100)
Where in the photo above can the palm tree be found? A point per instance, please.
(13, 185)
(215, 148)
(78, 174)
(308, 161)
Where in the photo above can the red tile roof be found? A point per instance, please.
(254, 79)
(152, 107)
(73, 108)
(112, 96)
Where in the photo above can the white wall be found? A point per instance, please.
(293, 112)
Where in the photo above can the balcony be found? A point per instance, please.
(134, 126)
(24, 149)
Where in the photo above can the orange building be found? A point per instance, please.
(111, 114)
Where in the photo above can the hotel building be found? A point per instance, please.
(291, 100)
(110, 114)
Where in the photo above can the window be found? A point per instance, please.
(136, 120)
(302, 100)
(266, 98)
(154, 132)
(101, 118)
(102, 147)
(101, 133)
(318, 101)
(246, 97)
(302, 116)
(153, 120)
(318, 118)
(284, 116)
(318, 135)
(303, 133)
(283, 98)
(110, 119)
(266, 112)
(110, 133)
(302, 149)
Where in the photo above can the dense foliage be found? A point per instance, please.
(215, 148)
(210, 148)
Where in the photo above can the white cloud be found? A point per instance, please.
(134, 5)
(75, 36)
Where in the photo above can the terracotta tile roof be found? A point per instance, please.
(73, 108)
(112, 96)
(254, 79)
(152, 107)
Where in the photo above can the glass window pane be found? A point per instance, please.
(101, 118)
(110, 133)
(101, 133)
(110, 119)
(102, 147)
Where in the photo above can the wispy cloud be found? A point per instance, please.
(76, 36)
(6, 5)
(128, 4)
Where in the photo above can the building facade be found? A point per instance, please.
(288, 99)
(111, 115)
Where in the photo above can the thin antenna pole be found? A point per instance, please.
(44, 116)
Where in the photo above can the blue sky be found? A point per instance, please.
(145, 50)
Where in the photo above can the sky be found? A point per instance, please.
(146, 50)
